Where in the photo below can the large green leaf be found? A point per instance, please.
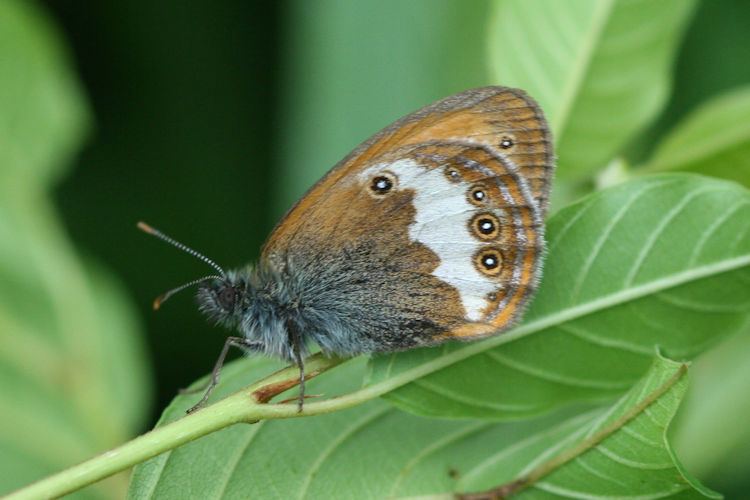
(662, 260)
(599, 68)
(376, 451)
(713, 140)
(72, 373)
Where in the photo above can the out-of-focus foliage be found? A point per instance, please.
(600, 70)
(713, 140)
(73, 377)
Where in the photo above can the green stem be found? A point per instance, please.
(246, 405)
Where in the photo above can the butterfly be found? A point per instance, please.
(431, 230)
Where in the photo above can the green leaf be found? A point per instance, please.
(39, 98)
(662, 260)
(376, 451)
(635, 460)
(599, 68)
(713, 140)
(72, 373)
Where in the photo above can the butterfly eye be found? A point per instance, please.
(226, 298)
(382, 183)
(485, 226)
(489, 261)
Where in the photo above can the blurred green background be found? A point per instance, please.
(185, 102)
(208, 119)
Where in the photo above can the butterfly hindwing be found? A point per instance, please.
(431, 229)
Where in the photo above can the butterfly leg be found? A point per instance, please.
(296, 340)
(214, 380)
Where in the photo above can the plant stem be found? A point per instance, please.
(247, 405)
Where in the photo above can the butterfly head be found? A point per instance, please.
(258, 302)
(222, 299)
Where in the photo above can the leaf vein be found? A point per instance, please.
(554, 377)
(340, 439)
(712, 229)
(435, 447)
(701, 307)
(583, 209)
(640, 437)
(554, 450)
(581, 461)
(632, 463)
(740, 236)
(588, 336)
(464, 399)
(594, 252)
(583, 59)
(551, 488)
(228, 472)
(493, 459)
(658, 230)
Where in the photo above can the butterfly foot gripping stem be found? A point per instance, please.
(214, 379)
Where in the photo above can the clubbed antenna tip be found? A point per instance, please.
(158, 300)
(146, 228)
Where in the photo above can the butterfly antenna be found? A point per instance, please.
(158, 301)
(150, 230)
(161, 298)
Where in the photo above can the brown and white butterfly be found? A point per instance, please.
(430, 230)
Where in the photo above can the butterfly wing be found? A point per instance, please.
(431, 229)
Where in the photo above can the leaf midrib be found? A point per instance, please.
(570, 92)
